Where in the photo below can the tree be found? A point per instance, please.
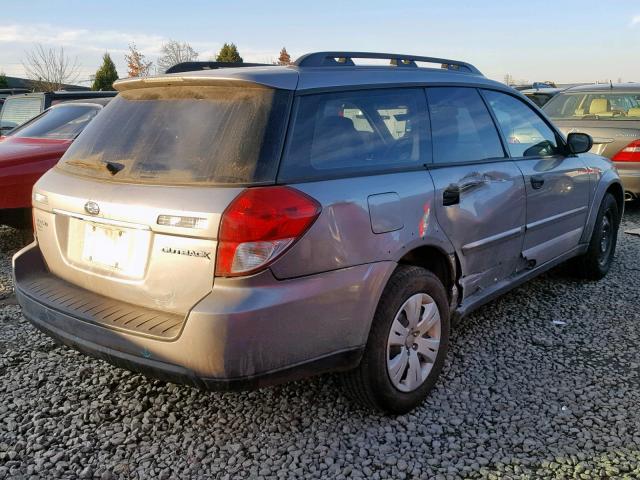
(136, 64)
(229, 53)
(175, 52)
(106, 74)
(4, 83)
(284, 58)
(49, 69)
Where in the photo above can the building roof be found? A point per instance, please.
(17, 82)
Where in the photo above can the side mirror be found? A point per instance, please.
(579, 142)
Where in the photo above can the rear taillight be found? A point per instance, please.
(259, 225)
(630, 153)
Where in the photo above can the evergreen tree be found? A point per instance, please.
(106, 74)
(284, 58)
(229, 53)
(4, 83)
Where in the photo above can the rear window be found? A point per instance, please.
(62, 123)
(184, 135)
(368, 131)
(18, 110)
(595, 106)
(463, 130)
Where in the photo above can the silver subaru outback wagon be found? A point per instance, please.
(239, 227)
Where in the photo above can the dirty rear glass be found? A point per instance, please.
(184, 135)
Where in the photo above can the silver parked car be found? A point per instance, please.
(611, 115)
(239, 227)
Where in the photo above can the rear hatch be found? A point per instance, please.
(132, 210)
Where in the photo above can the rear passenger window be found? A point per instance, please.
(369, 131)
(462, 128)
(526, 133)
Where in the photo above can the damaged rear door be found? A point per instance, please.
(480, 194)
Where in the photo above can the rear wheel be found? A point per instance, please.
(407, 344)
(596, 262)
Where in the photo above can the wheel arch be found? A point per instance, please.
(617, 191)
(610, 183)
(443, 265)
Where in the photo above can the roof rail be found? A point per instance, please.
(333, 59)
(195, 66)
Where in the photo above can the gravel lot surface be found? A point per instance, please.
(542, 383)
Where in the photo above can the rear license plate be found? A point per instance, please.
(107, 247)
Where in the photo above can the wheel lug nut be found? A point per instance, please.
(415, 346)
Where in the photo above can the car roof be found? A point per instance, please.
(549, 90)
(606, 87)
(307, 78)
(311, 74)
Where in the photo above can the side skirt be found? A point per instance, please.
(475, 301)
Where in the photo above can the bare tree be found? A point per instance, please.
(174, 52)
(136, 64)
(49, 68)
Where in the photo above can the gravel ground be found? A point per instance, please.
(542, 383)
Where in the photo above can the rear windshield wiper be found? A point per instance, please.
(112, 167)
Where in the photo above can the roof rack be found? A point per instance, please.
(195, 66)
(333, 59)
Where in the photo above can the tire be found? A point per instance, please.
(371, 383)
(596, 262)
(25, 235)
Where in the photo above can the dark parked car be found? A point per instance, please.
(32, 149)
(611, 115)
(18, 109)
(540, 96)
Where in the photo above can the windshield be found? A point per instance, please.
(595, 106)
(184, 135)
(61, 123)
(18, 110)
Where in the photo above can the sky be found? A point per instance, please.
(566, 41)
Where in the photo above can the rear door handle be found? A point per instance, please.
(537, 182)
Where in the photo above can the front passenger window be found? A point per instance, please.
(526, 133)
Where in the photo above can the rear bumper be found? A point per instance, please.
(246, 333)
(630, 180)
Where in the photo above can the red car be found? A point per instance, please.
(32, 149)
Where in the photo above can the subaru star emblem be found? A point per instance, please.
(92, 208)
